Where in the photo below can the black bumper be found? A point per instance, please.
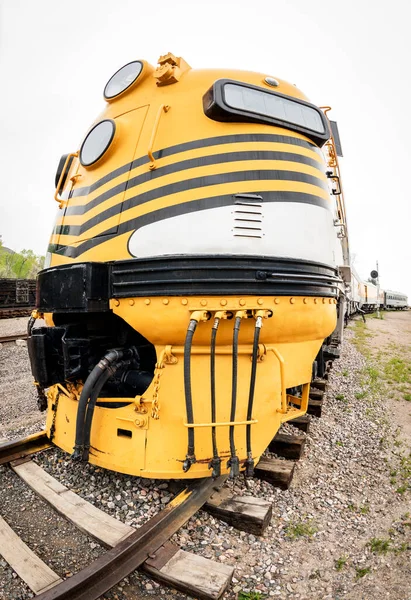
(87, 287)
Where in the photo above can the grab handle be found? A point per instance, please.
(163, 108)
(62, 175)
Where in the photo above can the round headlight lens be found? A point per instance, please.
(96, 142)
(271, 81)
(122, 79)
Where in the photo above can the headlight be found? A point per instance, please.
(96, 142)
(122, 79)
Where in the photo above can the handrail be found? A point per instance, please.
(165, 108)
(63, 172)
(283, 408)
(339, 194)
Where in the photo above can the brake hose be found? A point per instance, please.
(190, 457)
(249, 463)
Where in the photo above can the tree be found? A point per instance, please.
(19, 265)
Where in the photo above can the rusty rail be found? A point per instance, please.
(110, 568)
(13, 337)
(23, 447)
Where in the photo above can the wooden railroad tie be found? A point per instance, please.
(316, 394)
(275, 471)
(243, 512)
(320, 384)
(315, 408)
(302, 423)
(287, 445)
(194, 575)
(315, 402)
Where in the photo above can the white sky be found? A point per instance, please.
(55, 58)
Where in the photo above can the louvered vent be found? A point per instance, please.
(248, 216)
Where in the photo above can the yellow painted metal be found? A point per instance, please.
(148, 435)
(157, 446)
(137, 110)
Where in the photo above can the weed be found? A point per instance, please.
(360, 338)
(402, 548)
(365, 509)
(402, 489)
(360, 395)
(345, 373)
(301, 529)
(340, 563)
(250, 596)
(376, 315)
(339, 396)
(338, 443)
(361, 572)
(407, 397)
(398, 370)
(351, 507)
(373, 375)
(379, 546)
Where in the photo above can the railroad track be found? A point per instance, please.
(147, 548)
(13, 337)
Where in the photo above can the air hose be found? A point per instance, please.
(215, 462)
(190, 457)
(92, 381)
(105, 376)
(249, 463)
(234, 462)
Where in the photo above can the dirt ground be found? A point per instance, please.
(341, 532)
(391, 337)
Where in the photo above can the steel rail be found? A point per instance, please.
(23, 447)
(13, 337)
(117, 563)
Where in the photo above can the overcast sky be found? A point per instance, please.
(55, 58)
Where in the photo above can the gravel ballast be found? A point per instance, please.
(319, 543)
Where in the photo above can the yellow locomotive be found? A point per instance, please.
(192, 272)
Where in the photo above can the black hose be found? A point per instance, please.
(88, 386)
(90, 409)
(190, 457)
(249, 463)
(215, 463)
(233, 462)
(91, 381)
(30, 324)
(109, 372)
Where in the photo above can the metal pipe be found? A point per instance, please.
(220, 350)
(221, 423)
(249, 463)
(283, 408)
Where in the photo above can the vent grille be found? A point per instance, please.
(248, 216)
